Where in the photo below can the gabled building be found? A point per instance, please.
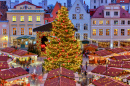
(50, 16)
(22, 19)
(4, 25)
(110, 27)
(81, 20)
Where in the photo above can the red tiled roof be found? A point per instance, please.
(4, 65)
(47, 15)
(11, 73)
(99, 69)
(126, 48)
(117, 50)
(3, 58)
(100, 13)
(20, 52)
(28, 3)
(122, 1)
(115, 63)
(60, 81)
(62, 71)
(91, 45)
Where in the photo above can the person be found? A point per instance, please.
(85, 73)
(86, 65)
(27, 69)
(34, 71)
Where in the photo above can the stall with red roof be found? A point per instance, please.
(13, 76)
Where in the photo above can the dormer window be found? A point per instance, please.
(77, 5)
(100, 13)
(115, 13)
(123, 13)
(77, 9)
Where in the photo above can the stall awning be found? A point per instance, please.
(26, 37)
(85, 42)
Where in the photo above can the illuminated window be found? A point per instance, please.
(4, 32)
(123, 7)
(73, 16)
(29, 18)
(94, 21)
(14, 18)
(80, 16)
(107, 22)
(38, 18)
(115, 32)
(14, 31)
(101, 22)
(85, 35)
(30, 31)
(22, 31)
(94, 32)
(4, 44)
(21, 18)
(107, 32)
(78, 26)
(77, 35)
(128, 32)
(100, 32)
(85, 26)
(122, 32)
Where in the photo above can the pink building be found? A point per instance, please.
(110, 27)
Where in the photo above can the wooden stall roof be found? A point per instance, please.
(3, 58)
(4, 65)
(122, 57)
(60, 81)
(109, 71)
(103, 53)
(91, 45)
(127, 48)
(105, 81)
(22, 53)
(117, 50)
(11, 73)
(61, 71)
(8, 50)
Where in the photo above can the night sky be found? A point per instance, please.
(53, 1)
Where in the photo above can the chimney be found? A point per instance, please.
(84, 2)
(64, 4)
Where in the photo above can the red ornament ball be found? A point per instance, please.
(42, 46)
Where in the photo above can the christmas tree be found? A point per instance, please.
(62, 49)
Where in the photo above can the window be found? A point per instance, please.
(46, 21)
(115, 13)
(21, 18)
(94, 21)
(100, 32)
(38, 19)
(14, 31)
(106, 1)
(107, 32)
(115, 32)
(85, 26)
(115, 22)
(101, 1)
(128, 22)
(122, 21)
(30, 31)
(94, 32)
(77, 35)
(128, 32)
(4, 32)
(78, 26)
(107, 22)
(107, 13)
(73, 16)
(122, 32)
(22, 31)
(101, 22)
(94, 7)
(14, 18)
(29, 18)
(77, 9)
(85, 35)
(94, 1)
(123, 7)
(80, 16)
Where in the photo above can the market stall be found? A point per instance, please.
(127, 48)
(4, 65)
(91, 48)
(13, 76)
(99, 57)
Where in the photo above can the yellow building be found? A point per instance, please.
(22, 19)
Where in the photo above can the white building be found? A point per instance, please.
(81, 20)
(110, 27)
(96, 3)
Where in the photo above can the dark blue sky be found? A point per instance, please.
(53, 1)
